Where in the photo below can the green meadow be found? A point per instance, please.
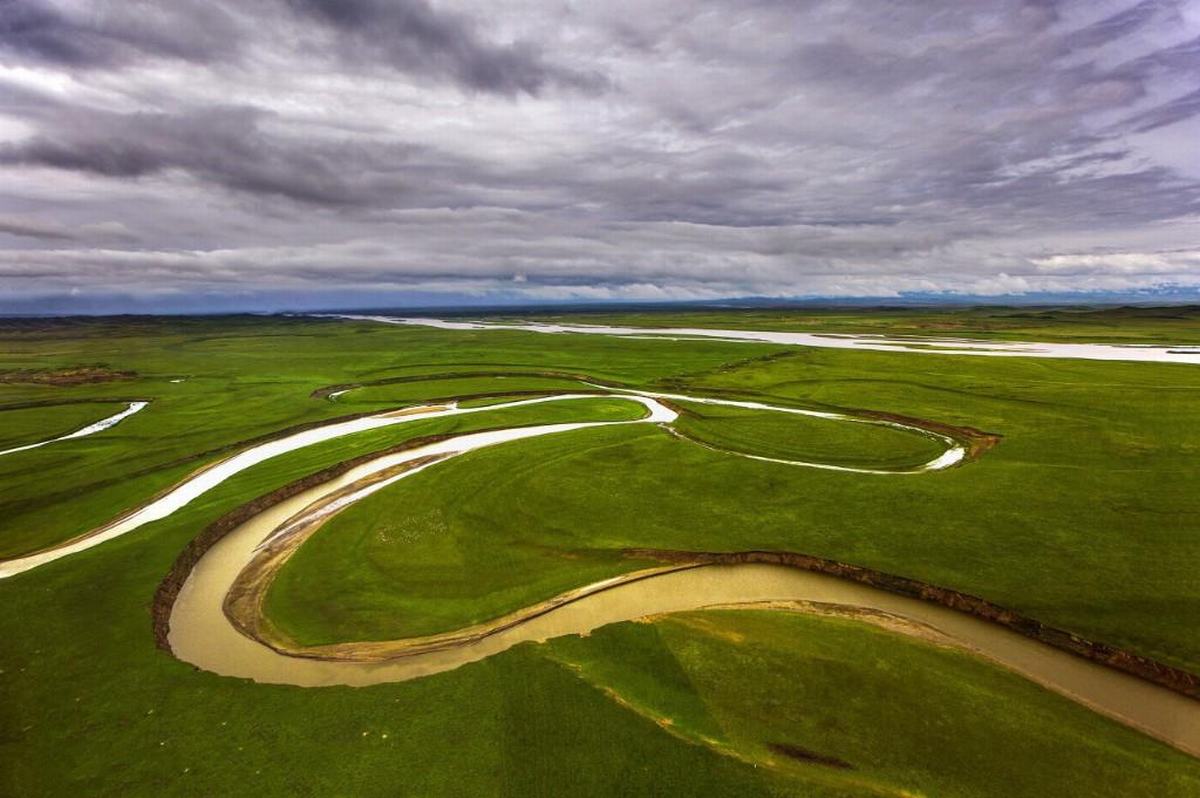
(1083, 516)
(805, 438)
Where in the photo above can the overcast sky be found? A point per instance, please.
(217, 153)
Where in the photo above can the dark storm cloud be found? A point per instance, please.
(224, 146)
(408, 35)
(412, 36)
(115, 33)
(620, 149)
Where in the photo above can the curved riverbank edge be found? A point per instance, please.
(1151, 670)
(244, 603)
(198, 630)
(1128, 662)
(168, 589)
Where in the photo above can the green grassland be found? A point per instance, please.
(1083, 516)
(430, 390)
(244, 377)
(807, 439)
(748, 680)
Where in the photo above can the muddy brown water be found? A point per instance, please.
(201, 634)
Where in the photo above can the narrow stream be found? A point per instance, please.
(90, 429)
(208, 478)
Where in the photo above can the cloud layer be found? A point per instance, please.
(682, 149)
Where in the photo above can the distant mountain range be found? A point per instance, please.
(426, 303)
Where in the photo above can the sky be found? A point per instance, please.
(267, 154)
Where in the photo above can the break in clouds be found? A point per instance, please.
(267, 151)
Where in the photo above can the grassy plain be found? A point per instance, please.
(860, 708)
(807, 439)
(243, 377)
(1083, 516)
(423, 391)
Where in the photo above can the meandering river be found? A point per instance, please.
(880, 343)
(205, 480)
(201, 632)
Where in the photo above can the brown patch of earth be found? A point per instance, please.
(77, 375)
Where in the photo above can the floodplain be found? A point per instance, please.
(530, 474)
